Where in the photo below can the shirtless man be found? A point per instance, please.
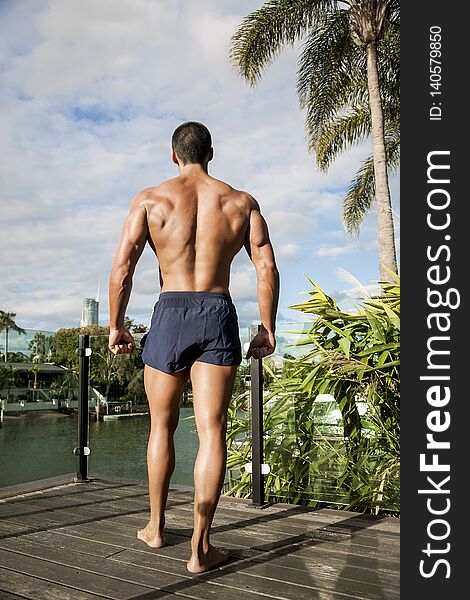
(195, 224)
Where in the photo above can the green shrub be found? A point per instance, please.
(354, 357)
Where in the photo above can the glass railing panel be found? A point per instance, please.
(239, 434)
(312, 460)
(120, 419)
(38, 430)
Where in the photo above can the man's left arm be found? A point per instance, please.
(131, 245)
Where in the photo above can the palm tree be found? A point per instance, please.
(40, 347)
(7, 322)
(348, 83)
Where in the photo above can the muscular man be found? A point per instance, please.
(195, 224)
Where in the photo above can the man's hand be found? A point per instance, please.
(121, 341)
(263, 344)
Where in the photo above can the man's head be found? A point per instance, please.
(192, 144)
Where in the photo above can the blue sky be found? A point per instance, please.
(90, 94)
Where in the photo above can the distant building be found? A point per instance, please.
(90, 312)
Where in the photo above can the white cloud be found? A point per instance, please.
(290, 225)
(334, 250)
(243, 285)
(286, 253)
(90, 94)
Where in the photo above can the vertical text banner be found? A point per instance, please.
(435, 318)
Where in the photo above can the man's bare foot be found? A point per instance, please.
(152, 536)
(207, 560)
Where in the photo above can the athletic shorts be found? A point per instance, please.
(192, 326)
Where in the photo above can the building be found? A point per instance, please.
(90, 312)
(28, 387)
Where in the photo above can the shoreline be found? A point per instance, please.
(37, 414)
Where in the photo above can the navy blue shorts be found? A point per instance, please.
(192, 326)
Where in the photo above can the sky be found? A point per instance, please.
(90, 93)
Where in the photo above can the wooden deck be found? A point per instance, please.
(78, 541)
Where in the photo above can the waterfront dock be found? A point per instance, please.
(118, 416)
(77, 541)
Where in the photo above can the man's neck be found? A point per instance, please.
(193, 169)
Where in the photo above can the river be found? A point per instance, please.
(38, 446)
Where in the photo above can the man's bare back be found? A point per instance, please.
(196, 226)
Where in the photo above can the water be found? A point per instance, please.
(42, 446)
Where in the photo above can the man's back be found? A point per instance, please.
(196, 225)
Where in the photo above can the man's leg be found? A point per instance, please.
(212, 390)
(163, 393)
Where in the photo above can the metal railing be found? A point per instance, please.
(82, 451)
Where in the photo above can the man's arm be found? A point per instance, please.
(260, 250)
(131, 245)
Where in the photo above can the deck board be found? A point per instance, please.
(79, 541)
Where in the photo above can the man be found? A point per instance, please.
(196, 225)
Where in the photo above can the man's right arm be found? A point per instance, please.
(260, 250)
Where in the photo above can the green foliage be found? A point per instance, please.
(354, 357)
(65, 343)
(40, 347)
(111, 374)
(331, 79)
(7, 322)
(116, 377)
(9, 377)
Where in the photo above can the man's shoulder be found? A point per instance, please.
(154, 194)
(248, 200)
(240, 196)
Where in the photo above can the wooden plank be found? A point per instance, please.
(75, 487)
(264, 524)
(93, 544)
(299, 544)
(274, 524)
(72, 576)
(370, 582)
(285, 523)
(120, 576)
(26, 586)
(87, 545)
(348, 523)
(297, 514)
(298, 510)
(9, 596)
(30, 504)
(248, 575)
(265, 533)
(40, 484)
(358, 568)
(285, 552)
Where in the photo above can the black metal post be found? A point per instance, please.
(257, 477)
(82, 451)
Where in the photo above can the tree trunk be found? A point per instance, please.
(385, 231)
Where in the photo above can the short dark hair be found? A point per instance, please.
(192, 142)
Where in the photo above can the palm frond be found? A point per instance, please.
(332, 85)
(263, 33)
(329, 72)
(342, 132)
(361, 192)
